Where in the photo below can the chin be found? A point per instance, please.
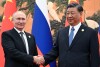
(21, 26)
(70, 22)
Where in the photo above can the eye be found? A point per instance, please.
(73, 13)
(23, 18)
(20, 18)
(67, 13)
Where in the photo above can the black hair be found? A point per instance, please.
(78, 6)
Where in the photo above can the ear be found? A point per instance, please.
(81, 13)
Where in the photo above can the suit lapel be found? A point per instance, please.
(78, 35)
(18, 38)
(28, 40)
(66, 37)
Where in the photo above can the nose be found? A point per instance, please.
(69, 15)
(21, 21)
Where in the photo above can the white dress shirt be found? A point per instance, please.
(26, 42)
(76, 29)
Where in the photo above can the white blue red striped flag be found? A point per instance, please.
(41, 28)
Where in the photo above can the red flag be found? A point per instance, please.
(99, 37)
(70, 1)
(10, 8)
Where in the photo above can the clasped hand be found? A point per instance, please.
(39, 59)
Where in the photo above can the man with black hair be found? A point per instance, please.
(76, 45)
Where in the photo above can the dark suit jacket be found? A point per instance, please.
(83, 51)
(15, 51)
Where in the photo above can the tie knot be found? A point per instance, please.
(72, 29)
(21, 33)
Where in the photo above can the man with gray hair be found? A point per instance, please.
(19, 46)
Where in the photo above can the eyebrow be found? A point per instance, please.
(20, 18)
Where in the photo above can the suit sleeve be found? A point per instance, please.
(34, 47)
(13, 53)
(94, 50)
(53, 54)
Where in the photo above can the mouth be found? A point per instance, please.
(70, 19)
(21, 24)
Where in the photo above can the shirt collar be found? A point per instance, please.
(18, 30)
(76, 27)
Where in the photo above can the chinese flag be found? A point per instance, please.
(70, 1)
(10, 8)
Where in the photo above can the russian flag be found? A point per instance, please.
(41, 28)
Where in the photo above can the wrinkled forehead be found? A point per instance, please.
(19, 14)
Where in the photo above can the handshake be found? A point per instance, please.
(39, 60)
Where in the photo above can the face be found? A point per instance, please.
(19, 20)
(73, 16)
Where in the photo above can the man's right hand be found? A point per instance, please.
(39, 59)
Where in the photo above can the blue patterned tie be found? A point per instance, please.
(71, 35)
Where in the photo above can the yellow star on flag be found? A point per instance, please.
(10, 18)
